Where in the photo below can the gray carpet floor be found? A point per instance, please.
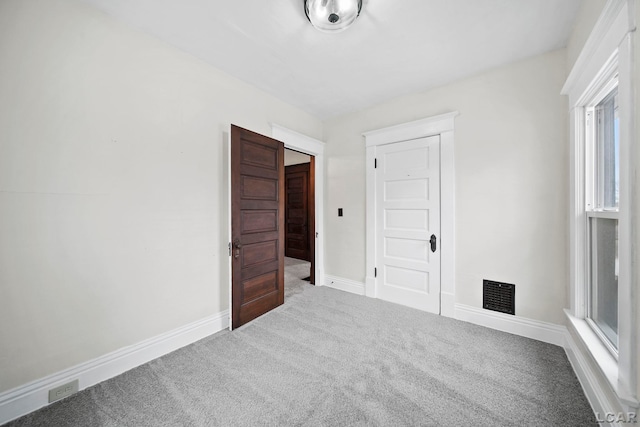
(295, 271)
(330, 358)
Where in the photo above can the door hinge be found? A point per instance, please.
(375, 163)
(229, 248)
(375, 272)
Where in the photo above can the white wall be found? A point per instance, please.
(112, 219)
(511, 182)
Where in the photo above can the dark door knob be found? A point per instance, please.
(433, 241)
(237, 246)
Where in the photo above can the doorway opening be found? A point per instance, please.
(299, 222)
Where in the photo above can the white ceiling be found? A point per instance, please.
(394, 48)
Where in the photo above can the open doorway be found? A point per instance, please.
(299, 222)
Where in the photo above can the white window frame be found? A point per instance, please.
(608, 79)
(608, 50)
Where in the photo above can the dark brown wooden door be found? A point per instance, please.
(296, 215)
(257, 203)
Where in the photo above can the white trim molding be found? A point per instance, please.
(528, 328)
(305, 144)
(442, 125)
(611, 27)
(610, 383)
(429, 126)
(34, 395)
(344, 284)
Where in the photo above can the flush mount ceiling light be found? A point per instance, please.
(332, 16)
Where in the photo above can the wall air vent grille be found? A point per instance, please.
(499, 296)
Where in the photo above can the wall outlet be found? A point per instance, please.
(63, 391)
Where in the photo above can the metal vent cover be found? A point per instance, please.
(498, 296)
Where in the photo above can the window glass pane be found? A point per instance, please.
(604, 277)
(608, 152)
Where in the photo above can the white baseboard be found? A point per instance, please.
(34, 395)
(535, 329)
(344, 284)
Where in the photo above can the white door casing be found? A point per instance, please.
(313, 147)
(442, 125)
(407, 219)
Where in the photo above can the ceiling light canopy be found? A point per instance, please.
(332, 16)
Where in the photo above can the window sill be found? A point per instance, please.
(604, 359)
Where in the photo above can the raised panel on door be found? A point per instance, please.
(407, 215)
(257, 197)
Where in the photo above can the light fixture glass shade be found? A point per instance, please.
(332, 15)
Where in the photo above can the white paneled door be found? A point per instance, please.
(408, 223)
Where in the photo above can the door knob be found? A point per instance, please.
(237, 246)
(433, 241)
